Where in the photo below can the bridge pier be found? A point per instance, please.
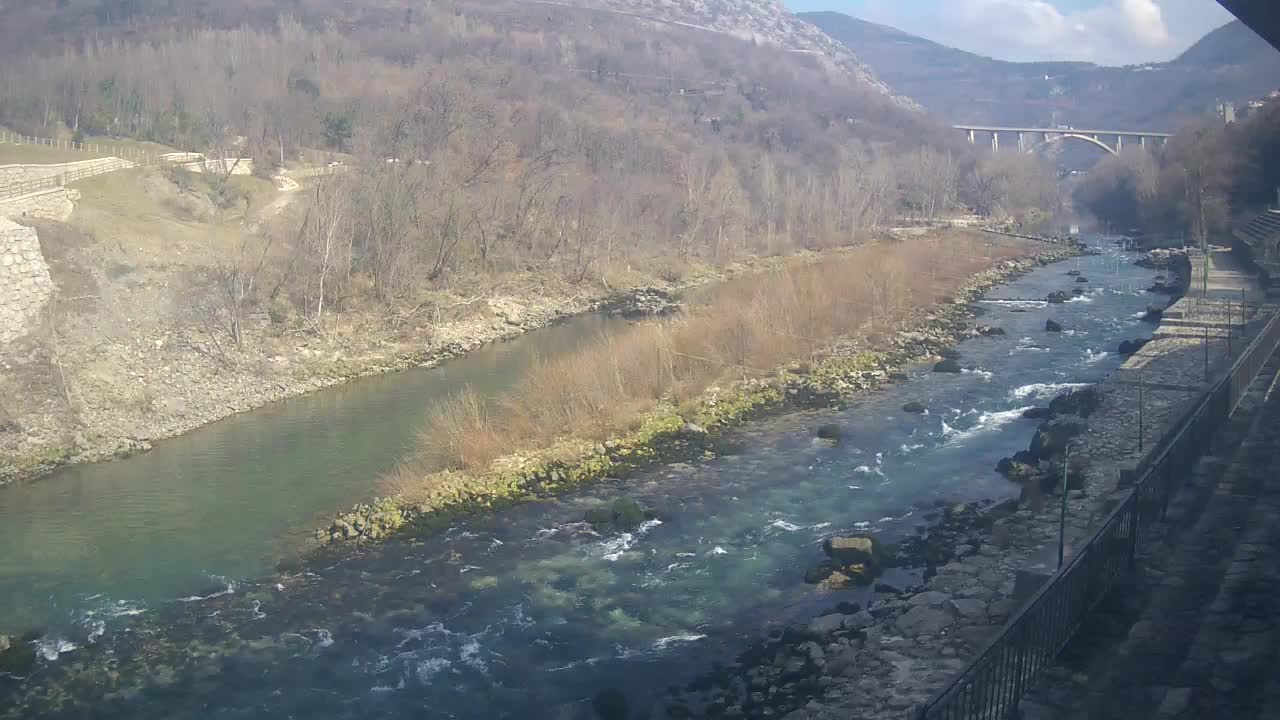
(995, 141)
(1119, 143)
(970, 137)
(1022, 144)
(1142, 141)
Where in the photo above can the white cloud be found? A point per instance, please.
(1113, 32)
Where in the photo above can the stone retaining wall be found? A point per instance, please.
(52, 204)
(11, 174)
(25, 285)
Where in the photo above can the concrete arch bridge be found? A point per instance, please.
(1031, 138)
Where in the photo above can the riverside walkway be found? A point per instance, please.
(1195, 633)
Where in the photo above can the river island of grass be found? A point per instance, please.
(667, 390)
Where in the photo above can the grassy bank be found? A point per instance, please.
(665, 391)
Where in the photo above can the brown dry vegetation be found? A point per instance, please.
(747, 328)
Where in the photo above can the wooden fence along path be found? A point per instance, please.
(79, 171)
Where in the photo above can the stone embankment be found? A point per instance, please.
(978, 563)
(16, 174)
(25, 284)
(56, 203)
(669, 436)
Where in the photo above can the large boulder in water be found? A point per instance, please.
(1082, 279)
(1080, 401)
(989, 331)
(1037, 413)
(947, 366)
(19, 656)
(914, 407)
(1052, 326)
(623, 514)
(949, 354)
(1053, 437)
(853, 550)
(830, 431)
(1057, 297)
(1154, 314)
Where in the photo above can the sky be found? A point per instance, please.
(1107, 32)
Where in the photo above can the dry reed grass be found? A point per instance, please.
(749, 326)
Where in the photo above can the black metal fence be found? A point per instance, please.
(993, 683)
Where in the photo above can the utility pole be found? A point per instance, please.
(1062, 522)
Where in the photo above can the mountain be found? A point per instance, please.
(42, 26)
(1231, 63)
(762, 22)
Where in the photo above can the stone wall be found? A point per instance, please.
(10, 174)
(52, 204)
(25, 284)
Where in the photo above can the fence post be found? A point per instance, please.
(1205, 343)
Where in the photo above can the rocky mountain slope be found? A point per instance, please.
(764, 22)
(1230, 63)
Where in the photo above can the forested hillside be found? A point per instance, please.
(502, 135)
(441, 175)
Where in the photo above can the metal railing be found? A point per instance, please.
(993, 683)
(89, 168)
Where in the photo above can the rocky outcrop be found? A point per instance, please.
(643, 302)
(25, 284)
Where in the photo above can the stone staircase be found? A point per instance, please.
(1197, 633)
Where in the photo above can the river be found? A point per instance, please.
(526, 612)
(229, 500)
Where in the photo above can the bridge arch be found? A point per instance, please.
(1059, 137)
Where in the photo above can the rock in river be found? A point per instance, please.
(914, 407)
(1053, 436)
(1052, 326)
(858, 550)
(989, 331)
(1057, 296)
(624, 514)
(947, 366)
(1081, 401)
(1037, 413)
(829, 431)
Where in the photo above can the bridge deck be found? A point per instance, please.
(1058, 131)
